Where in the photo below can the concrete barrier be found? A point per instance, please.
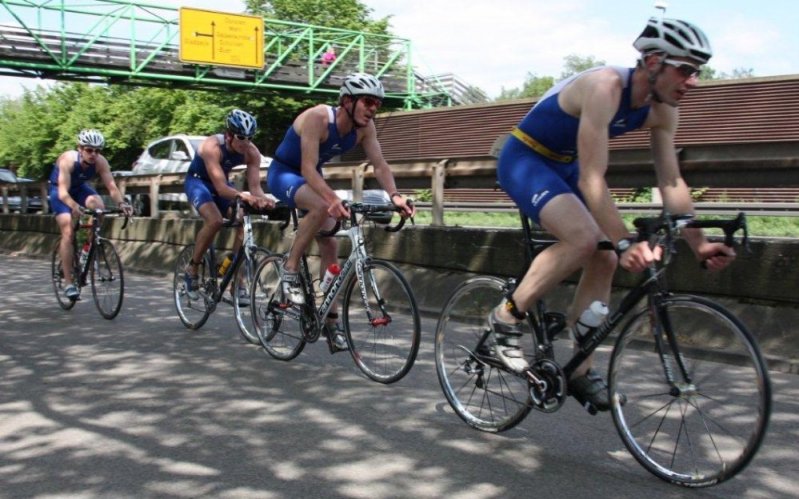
(762, 288)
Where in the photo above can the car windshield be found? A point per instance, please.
(195, 144)
(7, 176)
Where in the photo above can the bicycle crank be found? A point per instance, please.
(547, 384)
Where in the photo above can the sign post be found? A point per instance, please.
(220, 38)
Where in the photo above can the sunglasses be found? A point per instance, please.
(685, 69)
(242, 137)
(92, 150)
(371, 102)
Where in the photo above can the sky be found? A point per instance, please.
(495, 45)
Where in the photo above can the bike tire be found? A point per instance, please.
(385, 347)
(193, 312)
(108, 280)
(478, 388)
(699, 431)
(276, 323)
(243, 281)
(57, 274)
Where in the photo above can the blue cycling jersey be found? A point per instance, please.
(289, 152)
(80, 175)
(229, 159)
(547, 123)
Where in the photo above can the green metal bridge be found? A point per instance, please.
(125, 42)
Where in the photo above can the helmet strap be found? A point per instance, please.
(351, 112)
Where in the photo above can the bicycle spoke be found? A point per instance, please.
(484, 395)
(701, 432)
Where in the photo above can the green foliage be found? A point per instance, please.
(533, 86)
(343, 14)
(423, 195)
(709, 73)
(574, 64)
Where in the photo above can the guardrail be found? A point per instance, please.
(437, 176)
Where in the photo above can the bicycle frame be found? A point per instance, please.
(354, 263)
(94, 237)
(244, 253)
(650, 286)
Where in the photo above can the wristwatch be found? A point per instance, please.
(623, 245)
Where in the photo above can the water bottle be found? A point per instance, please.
(332, 271)
(591, 317)
(225, 264)
(84, 254)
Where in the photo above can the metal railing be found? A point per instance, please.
(411, 176)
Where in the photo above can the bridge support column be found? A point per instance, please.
(437, 188)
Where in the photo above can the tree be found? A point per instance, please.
(574, 64)
(533, 86)
(343, 14)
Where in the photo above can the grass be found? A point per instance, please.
(758, 225)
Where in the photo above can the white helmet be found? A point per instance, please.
(358, 84)
(676, 38)
(90, 137)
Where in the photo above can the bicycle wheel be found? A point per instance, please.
(277, 325)
(57, 273)
(705, 427)
(192, 312)
(240, 289)
(108, 282)
(381, 322)
(477, 386)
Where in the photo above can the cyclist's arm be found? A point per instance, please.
(676, 194)
(598, 97)
(104, 171)
(65, 165)
(383, 173)
(211, 153)
(255, 197)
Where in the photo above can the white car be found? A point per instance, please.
(172, 154)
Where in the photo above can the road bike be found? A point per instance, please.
(193, 313)
(379, 314)
(96, 261)
(689, 389)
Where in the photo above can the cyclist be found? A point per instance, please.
(210, 192)
(69, 192)
(296, 178)
(568, 196)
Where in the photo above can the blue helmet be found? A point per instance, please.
(241, 123)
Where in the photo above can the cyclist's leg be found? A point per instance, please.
(543, 191)
(328, 254)
(201, 197)
(63, 217)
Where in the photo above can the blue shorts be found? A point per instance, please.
(284, 182)
(79, 193)
(199, 192)
(532, 180)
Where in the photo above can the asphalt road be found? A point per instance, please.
(142, 407)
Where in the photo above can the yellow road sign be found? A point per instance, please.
(220, 38)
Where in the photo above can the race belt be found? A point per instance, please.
(541, 148)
